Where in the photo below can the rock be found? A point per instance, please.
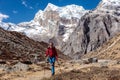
(17, 67)
(8, 69)
(93, 60)
(3, 67)
(85, 62)
(118, 62)
(104, 63)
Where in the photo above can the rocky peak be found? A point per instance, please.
(53, 17)
(51, 6)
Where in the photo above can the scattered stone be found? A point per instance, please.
(85, 62)
(3, 67)
(104, 64)
(9, 69)
(93, 60)
(118, 62)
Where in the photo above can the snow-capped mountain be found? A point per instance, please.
(110, 5)
(67, 12)
(9, 26)
(59, 21)
(51, 23)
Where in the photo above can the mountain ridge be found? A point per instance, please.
(48, 24)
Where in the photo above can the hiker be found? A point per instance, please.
(52, 56)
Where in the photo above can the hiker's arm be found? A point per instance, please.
(56, 55)
(46, 53)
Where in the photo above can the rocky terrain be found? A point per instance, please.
(66, 70)
(94, 29)
(15, 46)
(20, 54)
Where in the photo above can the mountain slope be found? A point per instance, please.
(15, 46)
(94, 29)
(110, 50)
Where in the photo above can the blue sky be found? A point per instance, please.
(17, 11)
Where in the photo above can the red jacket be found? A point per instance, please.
(52, 52)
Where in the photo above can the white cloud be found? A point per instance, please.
(14, 11)
(25, 4)
(3, 16)
(31, 7)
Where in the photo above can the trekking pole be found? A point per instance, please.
(62, 76)
(44, 68)
(59, 66)
(44, 65)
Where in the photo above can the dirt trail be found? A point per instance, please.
(43, 73)
(38, 75)
(46, 73)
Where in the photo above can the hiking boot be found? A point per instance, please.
(53, 74)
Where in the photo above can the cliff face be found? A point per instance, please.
(94, 28)
(58, 22)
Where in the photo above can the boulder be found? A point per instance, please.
(20, 67)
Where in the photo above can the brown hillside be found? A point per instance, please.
(16, 46)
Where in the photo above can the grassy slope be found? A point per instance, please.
(109, 50)
(91, 73)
